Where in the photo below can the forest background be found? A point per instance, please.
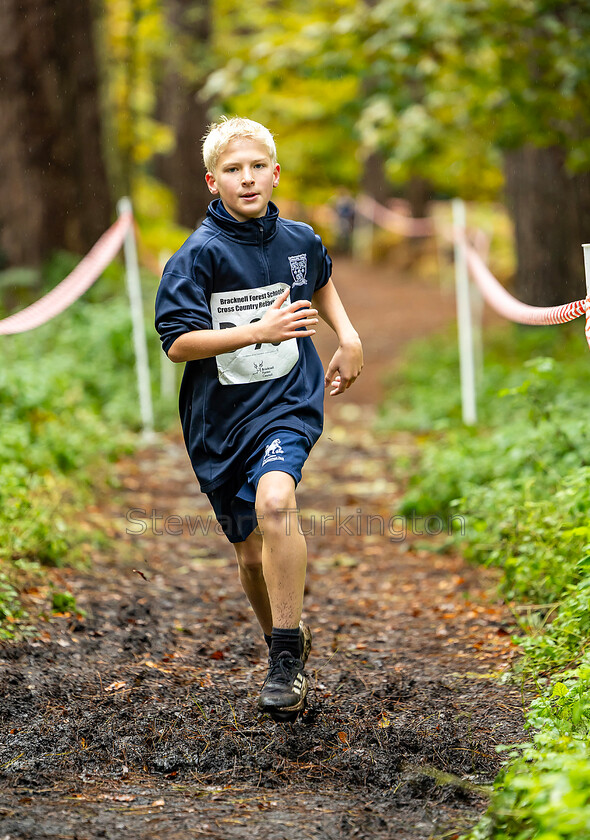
(416, 99)
(486, 100)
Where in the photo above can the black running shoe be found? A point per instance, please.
(284, 689)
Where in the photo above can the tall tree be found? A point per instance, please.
(462, 86)
(544, 126)
(135, 44)
(183, 107)
(52, 177)
(551, 211)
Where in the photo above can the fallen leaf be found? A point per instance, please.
(150, 664)
(115, 686)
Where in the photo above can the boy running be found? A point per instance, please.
(238, 302)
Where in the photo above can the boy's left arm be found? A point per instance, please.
(347, 362)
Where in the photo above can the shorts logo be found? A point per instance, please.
(299, 269)
(273, 452)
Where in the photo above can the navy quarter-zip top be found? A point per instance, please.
(227, 274)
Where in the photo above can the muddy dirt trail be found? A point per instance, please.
(137, 719)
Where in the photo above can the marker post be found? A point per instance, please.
(586, 249)
(464, 318)
(138, 324)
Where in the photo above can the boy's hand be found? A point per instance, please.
(278, 324)
(345, 366)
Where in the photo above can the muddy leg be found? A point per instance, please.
(284, 551)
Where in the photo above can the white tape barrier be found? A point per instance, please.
(74, 285)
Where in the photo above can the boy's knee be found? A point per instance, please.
(249, 558)
(275, 502)
(249, 553)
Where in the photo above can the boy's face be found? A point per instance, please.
(244, 179)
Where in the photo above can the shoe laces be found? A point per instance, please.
(281, 668)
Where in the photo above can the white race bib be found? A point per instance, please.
(257, 362)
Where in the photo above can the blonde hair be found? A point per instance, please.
(222, 133)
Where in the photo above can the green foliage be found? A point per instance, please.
(282, 73)
(154, 207)
(439, 87)
(526, 460)
(564, 707)
(11, 611)
(521, 479)
(62, 602)
(543, 794)
(544, 790)
(566, 637)
(495, 72)
(68, 407)
(135, 43)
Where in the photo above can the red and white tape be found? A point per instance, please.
(393, 221)
(514, 310)
(491, 289)
(74, 285)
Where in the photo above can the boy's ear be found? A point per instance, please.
(210, 179)
(277, 172)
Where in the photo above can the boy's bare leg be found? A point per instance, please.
(249, 555)
(284, 561)
(284, 550)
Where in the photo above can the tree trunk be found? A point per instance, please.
(52, 178)
(418, 194)
(374, 180)
(181, 107)
(551, 212)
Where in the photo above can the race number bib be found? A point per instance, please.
(257, 362)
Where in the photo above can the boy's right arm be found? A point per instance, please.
(276, 325)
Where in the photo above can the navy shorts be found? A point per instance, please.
(282, 450)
